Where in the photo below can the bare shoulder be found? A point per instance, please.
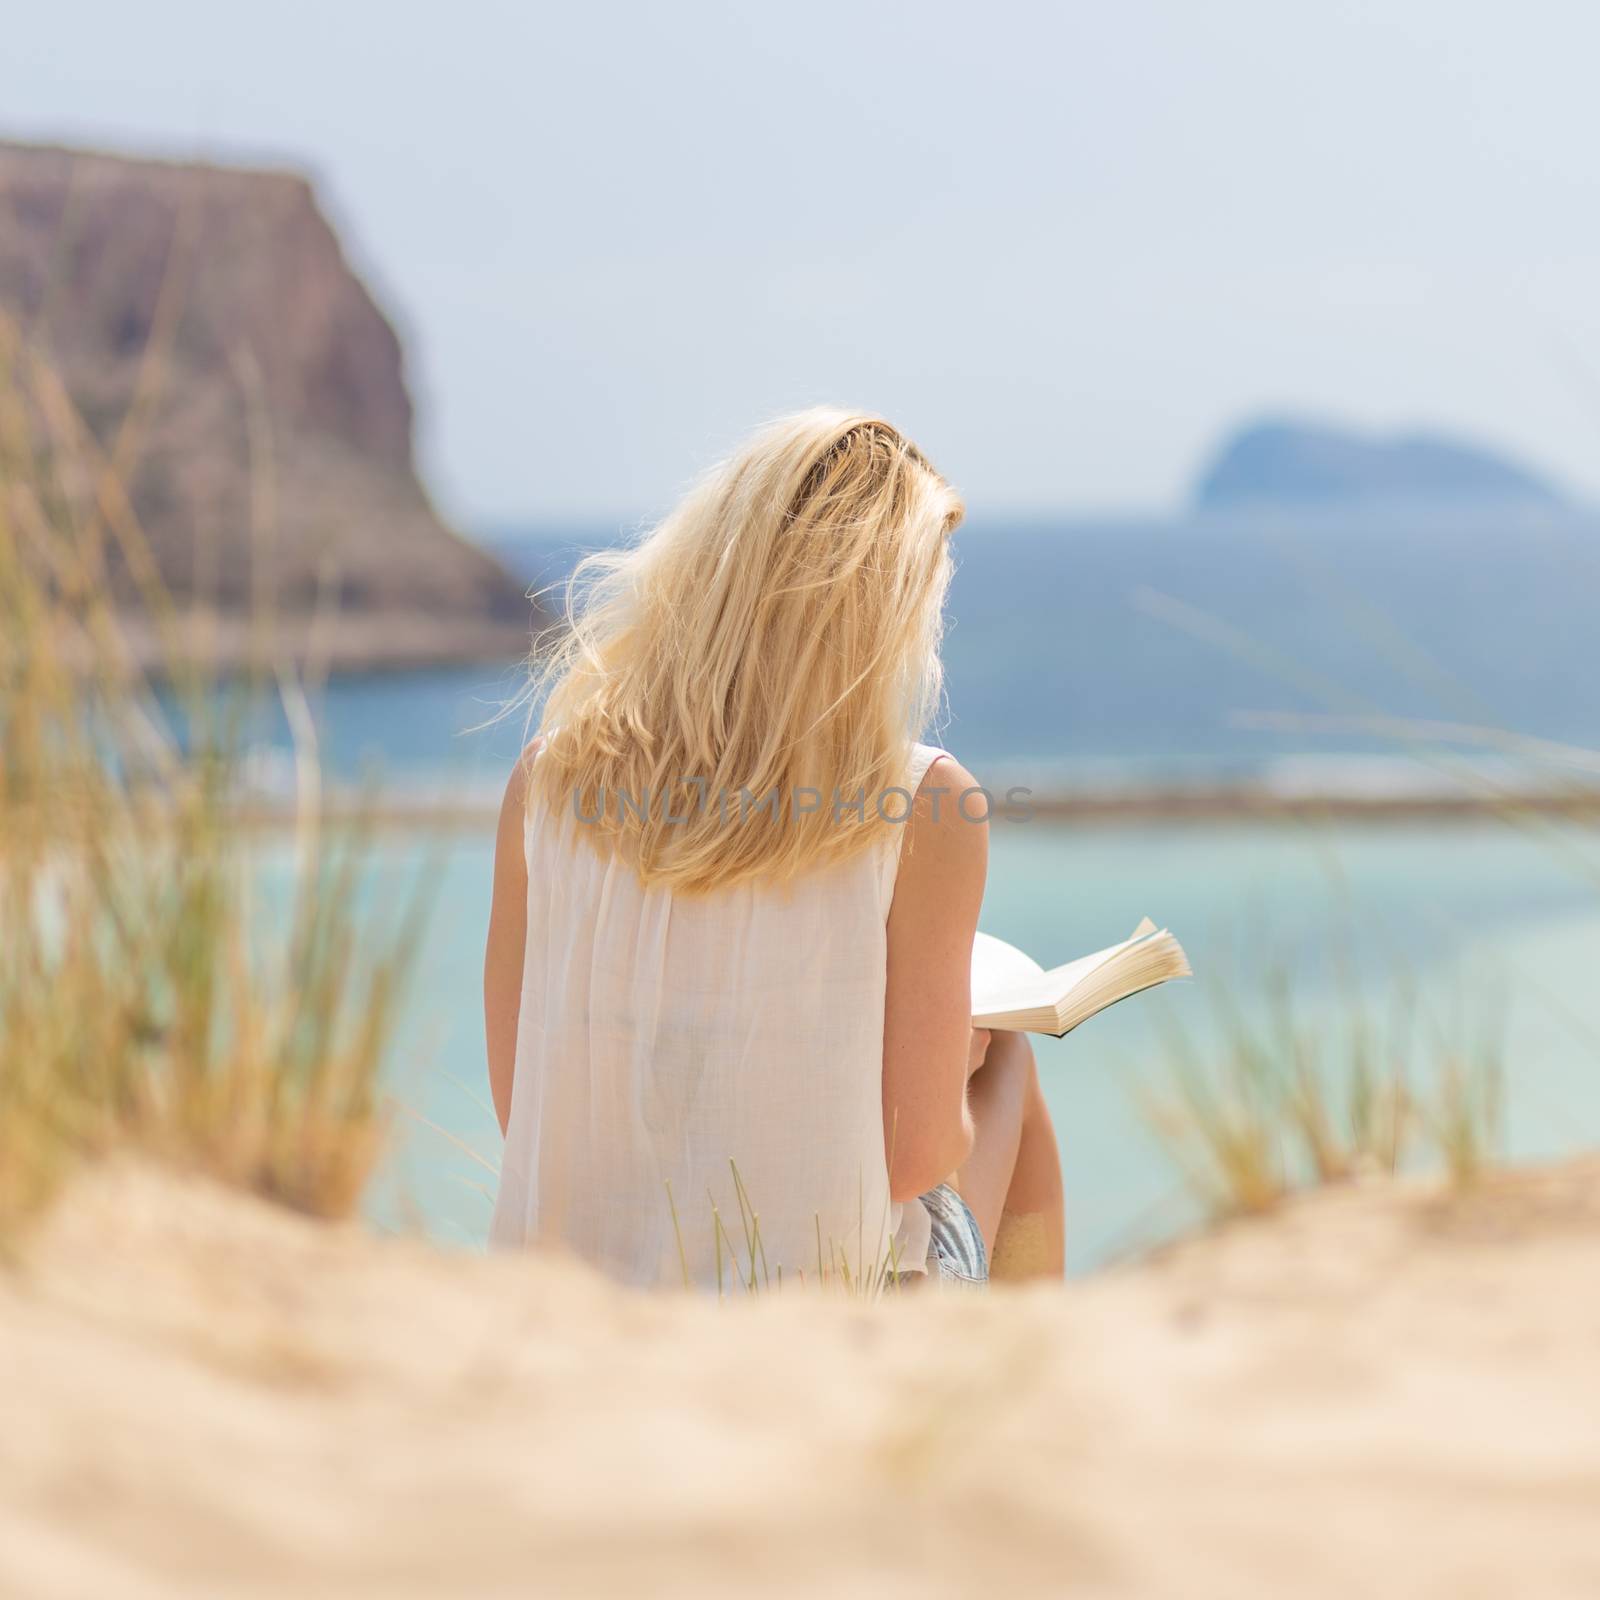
(947, 835)
(515, 801)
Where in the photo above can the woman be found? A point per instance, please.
(727, 988)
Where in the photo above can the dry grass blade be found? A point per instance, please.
(1279, 1101)
(148, 996)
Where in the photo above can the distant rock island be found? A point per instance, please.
(1285, 461)
(273, 428)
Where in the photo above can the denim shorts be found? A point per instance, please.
(955, 1247)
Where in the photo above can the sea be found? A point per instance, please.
(1407, 651)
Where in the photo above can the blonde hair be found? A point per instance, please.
(777, 634)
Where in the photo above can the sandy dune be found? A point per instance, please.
(1376, 1392)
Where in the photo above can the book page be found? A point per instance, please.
(1004, 979)
(1000, 971)
(1065, 978)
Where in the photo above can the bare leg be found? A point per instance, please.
(1012, 1179)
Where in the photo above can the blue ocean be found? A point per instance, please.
(1395, 653)
(1158, 652)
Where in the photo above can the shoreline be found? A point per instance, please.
(228, 645)
(1242, 804)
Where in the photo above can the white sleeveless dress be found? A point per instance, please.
(717, 1056)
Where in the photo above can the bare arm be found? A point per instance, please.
(927, 1025)
(503, 952)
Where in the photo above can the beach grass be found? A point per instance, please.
(1283, 1095)
(147, 999)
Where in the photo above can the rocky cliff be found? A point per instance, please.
(217, 344)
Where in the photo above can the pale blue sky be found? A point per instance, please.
(1064, 244)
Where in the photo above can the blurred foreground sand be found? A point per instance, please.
(1377, 1391)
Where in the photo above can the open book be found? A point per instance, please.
(1010, 990)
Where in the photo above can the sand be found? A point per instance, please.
(1377, 1390)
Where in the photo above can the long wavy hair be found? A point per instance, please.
(734, 697)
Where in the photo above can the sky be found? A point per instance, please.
(1066, 246)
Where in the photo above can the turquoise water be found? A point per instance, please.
(1118, 653)
(1481, 915)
